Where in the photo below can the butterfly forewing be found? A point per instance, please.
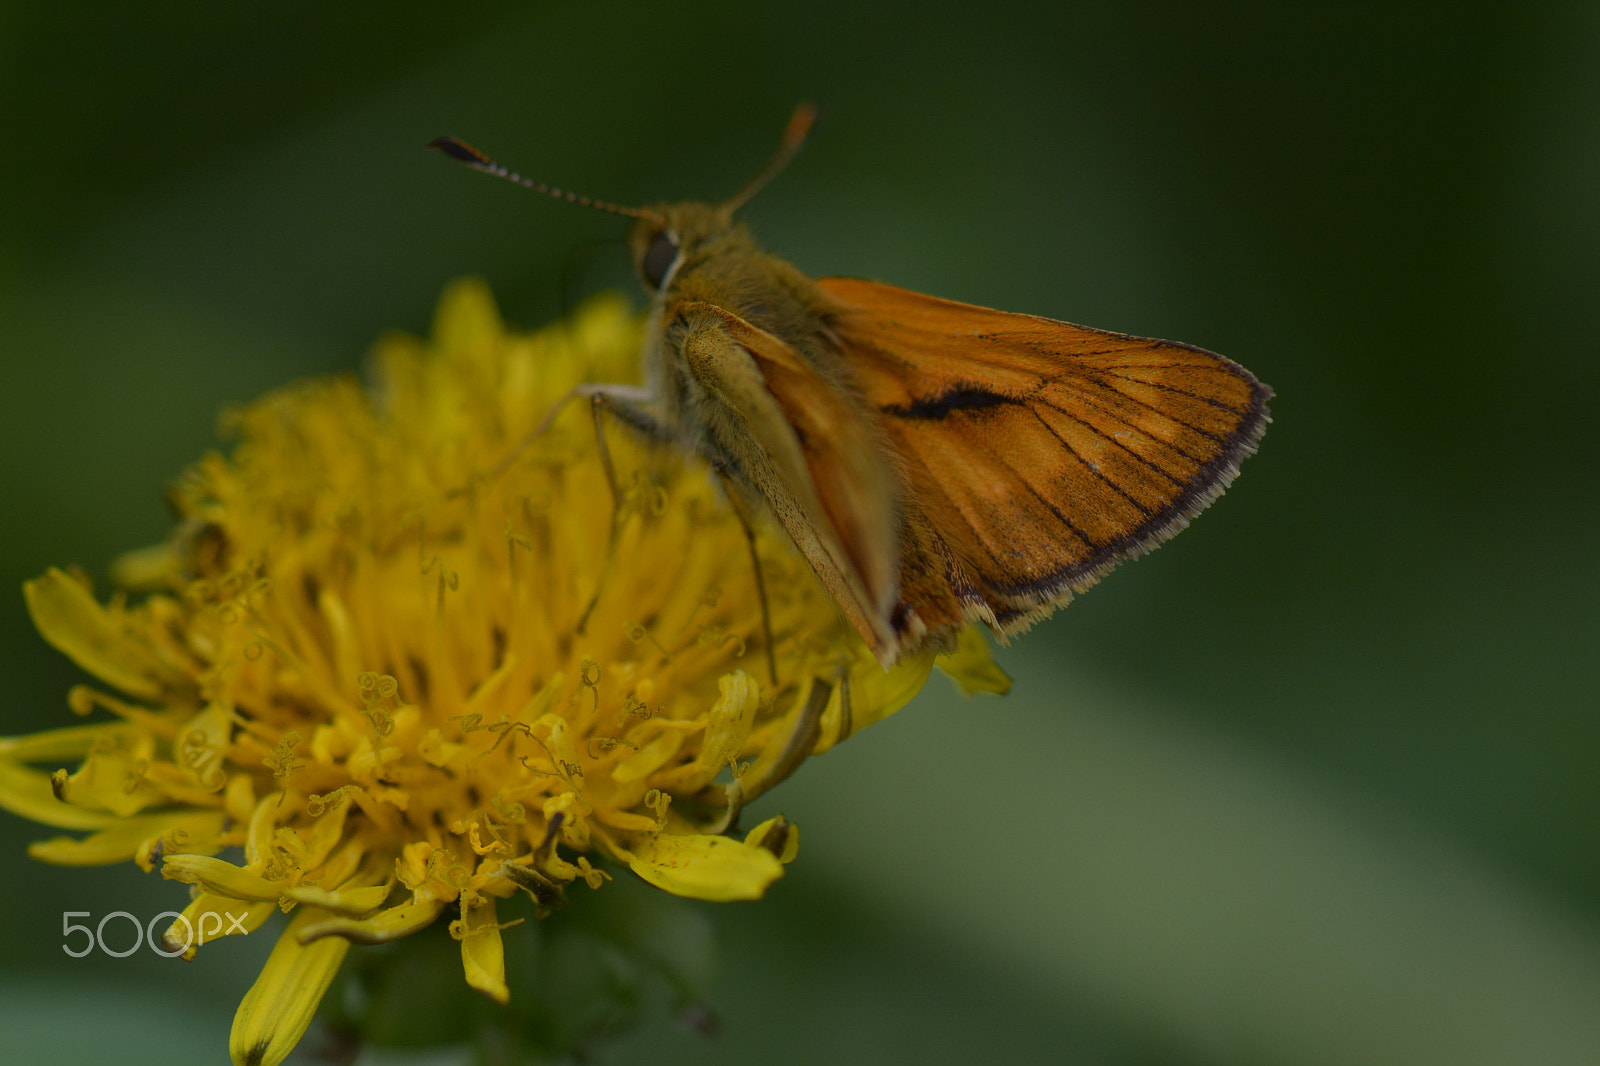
(1039, 453)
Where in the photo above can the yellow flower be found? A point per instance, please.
(388, 654)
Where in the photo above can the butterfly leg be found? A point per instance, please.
(628, 401)
(734, 498)
(632, 405)
(629, 404)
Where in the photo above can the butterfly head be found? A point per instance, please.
(671, 235)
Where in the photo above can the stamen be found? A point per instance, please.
(470, 723)
(510, 811)
(592, 877)
(496, 846)
(503, 728)
(136, 777)
(282, 760)
(589, 678)
(657, 802)
(638, 633)
(608, 745)
(316, 805)
(708, 601)
(634, 707)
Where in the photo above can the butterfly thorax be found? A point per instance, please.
(705, 257)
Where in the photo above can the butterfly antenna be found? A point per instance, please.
(465, 153)
(794, 135)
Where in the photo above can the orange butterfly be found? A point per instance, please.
(934, 462)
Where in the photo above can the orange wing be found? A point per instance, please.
(1037, 454)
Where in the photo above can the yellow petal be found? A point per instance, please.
(647, 760)
(209, 917)
(263, 828)
(780, 758)
(55, 745)
(325, 832)
(777, 835)
(392, 924)
(202, 743)
(346, 902)
(239, 798)
(148, 569)
(412, 866)
(880, 693)
(437, 751)
(569, 806)
(112, 777)
(343, 865)
(223, 878)
(123, 839)
(558, 742)
(281, 1003)
(730, 720)
(467, 322)
(68, 616)
(972, 667)
(27, 792)
(483, 956)
(704, 867)
(873, 694)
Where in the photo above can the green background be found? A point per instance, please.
(1313, 784)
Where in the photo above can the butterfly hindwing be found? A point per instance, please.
(1041, 452)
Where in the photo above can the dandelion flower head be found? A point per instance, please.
(393, 665)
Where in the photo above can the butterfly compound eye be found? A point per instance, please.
(658, 260)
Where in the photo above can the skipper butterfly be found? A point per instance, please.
(935, 462)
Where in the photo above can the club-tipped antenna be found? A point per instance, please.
(794, 135)
(465, 153)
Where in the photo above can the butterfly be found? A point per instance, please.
(935, 462)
